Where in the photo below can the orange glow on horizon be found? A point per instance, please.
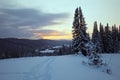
(67, 37)
(54, 35)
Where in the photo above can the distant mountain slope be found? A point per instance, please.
(14, 45)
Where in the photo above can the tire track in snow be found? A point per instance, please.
(41, 71)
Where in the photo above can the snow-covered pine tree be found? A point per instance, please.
(108, 40)
(80, 37)
(119, 38)
(96, 38)
(102, 36)
(81, 41)
(115, 38)
(75, 32)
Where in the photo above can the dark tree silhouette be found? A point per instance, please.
(96, 38)
(80, 37)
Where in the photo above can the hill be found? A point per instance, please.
(14, 47)
(68, 67)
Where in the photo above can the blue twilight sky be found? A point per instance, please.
(52, 19)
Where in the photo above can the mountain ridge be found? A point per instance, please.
(18, 46)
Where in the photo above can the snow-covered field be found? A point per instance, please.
(69, 67)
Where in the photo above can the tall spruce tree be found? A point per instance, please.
(102, 36)
(80, 37)
(108, 40)
(81, 41)
(119, 38)
(115, 38)
(75, 32)
(96, 38)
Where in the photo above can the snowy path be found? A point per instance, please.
(69, 67)
(41, 71)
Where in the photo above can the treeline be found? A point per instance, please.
(64, 50)
(15, 48)
(107, 38)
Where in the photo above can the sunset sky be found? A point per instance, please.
(52, 19)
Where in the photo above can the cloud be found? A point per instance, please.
(15, 32)
(51, 34)
(17, 22)
(7, 3)
(28, 17)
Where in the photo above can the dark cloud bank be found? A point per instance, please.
(13, 22)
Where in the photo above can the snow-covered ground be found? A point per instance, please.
(69, 67)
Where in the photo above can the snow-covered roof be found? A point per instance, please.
(47, 51)
(57, 47)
